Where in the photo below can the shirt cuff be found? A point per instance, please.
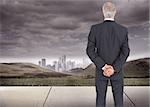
(103, 67)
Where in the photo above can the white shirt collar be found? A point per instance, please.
(109, 19)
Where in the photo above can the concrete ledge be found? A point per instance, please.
(68, 96)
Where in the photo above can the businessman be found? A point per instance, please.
(108, 49)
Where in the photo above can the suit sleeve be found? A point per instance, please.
(124, 53)
(90, 50)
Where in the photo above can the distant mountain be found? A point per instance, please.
(11, 70)
(136, 68)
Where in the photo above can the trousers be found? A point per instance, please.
(117, 90)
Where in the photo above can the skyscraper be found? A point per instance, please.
(43, 62)
(70, 65)
(56, 65)
(64, 62)
(40, 63)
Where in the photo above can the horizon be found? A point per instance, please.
(80, 61)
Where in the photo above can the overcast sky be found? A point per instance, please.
(33, 29)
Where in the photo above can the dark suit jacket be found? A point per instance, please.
(108, 44)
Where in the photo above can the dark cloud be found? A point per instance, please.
(31, 28)
(133, 13)
(64, 23)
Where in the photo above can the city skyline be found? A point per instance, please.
(63, 64)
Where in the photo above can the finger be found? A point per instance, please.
(109, 66)
(111, 73)
(108, 74)
(105, 74)
(107, 70)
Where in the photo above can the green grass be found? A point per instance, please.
(136, 81)
(65, 81)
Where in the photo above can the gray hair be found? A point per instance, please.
(109, 10)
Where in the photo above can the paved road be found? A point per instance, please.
(61, 96)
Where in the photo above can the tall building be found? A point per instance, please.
(55, 63)
(40, 63)
(64, 62)
(70, 65)
(43, 62)
(73, 64)
(59, 64)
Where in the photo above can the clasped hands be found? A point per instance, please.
(108, 70)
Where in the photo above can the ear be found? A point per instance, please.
(115, 13)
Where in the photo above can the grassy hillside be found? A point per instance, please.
(88, 72)
(28, 74)
(24, 70)
(133, 69)
(137, 68)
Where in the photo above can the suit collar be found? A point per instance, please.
(112, 19)
(109, 20)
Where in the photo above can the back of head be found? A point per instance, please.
(109, 10)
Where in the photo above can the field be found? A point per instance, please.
(136, 73)
(66, 81)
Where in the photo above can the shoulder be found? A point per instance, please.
(101, 24)
(95, 26)
(124, 28)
